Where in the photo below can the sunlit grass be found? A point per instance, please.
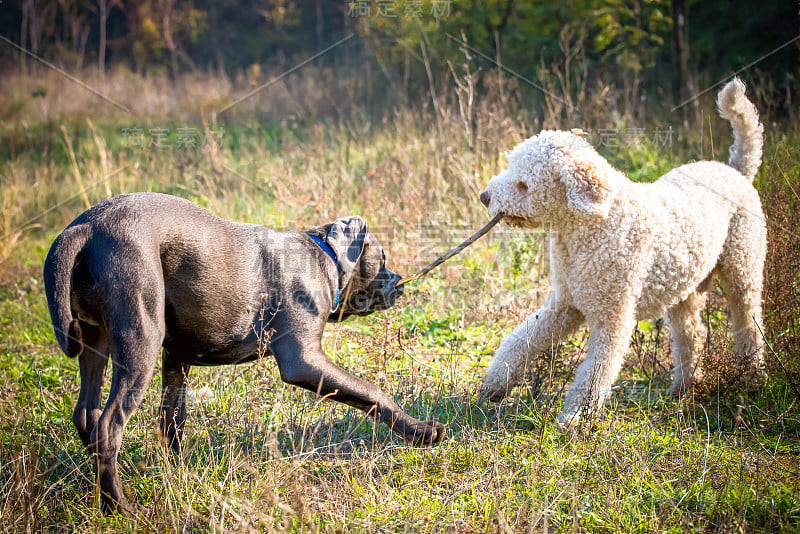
(262, 455)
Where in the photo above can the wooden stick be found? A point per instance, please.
(428, 268)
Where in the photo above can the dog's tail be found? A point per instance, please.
(57, 284)
(748, 132)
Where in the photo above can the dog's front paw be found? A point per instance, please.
(494, 390)
(119, 505)
(492, 394)
(682, 385)
(569, 418)
(426, 433)
(678, 388)
(501, 376)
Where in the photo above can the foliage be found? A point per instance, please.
(623, 38)
(631, 33)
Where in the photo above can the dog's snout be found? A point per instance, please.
(485, 198)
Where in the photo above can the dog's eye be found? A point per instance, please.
(522, 187)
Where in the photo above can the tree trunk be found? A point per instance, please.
(319, 25)
(101, 53)
(166, 6)
(35, 31)
(23, 35)
(497, 29)
(680, 50)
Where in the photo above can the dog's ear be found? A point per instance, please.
(347, 237)
(587, 192)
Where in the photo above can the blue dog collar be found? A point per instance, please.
(326, 248)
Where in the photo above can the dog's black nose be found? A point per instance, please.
(485, 198)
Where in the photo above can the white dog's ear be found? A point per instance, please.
(587, 192)
(347, 237)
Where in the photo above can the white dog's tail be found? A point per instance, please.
(748, 132)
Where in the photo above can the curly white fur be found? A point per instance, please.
(748, 133)
(622, 251)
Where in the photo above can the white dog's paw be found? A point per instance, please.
(569, 418)
(494, 392)
(682, 385)
(500, 379)
(679, 387)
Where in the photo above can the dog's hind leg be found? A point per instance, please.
(134, 318)
(688, 334)
(542, 331)
(93, 361)
(133, 356)
(741, 274)
(173, 401)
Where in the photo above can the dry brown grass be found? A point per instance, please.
(781, 199)
(263, 456)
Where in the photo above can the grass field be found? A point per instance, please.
(264, 456)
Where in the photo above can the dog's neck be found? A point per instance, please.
(326, 248)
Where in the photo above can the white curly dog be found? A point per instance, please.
(623, 251)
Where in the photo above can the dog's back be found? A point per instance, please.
(153, 239)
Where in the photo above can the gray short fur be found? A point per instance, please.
(146, 271)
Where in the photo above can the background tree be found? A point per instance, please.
(641, 47)
(104, 6)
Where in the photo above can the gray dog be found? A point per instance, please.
(145, 271)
